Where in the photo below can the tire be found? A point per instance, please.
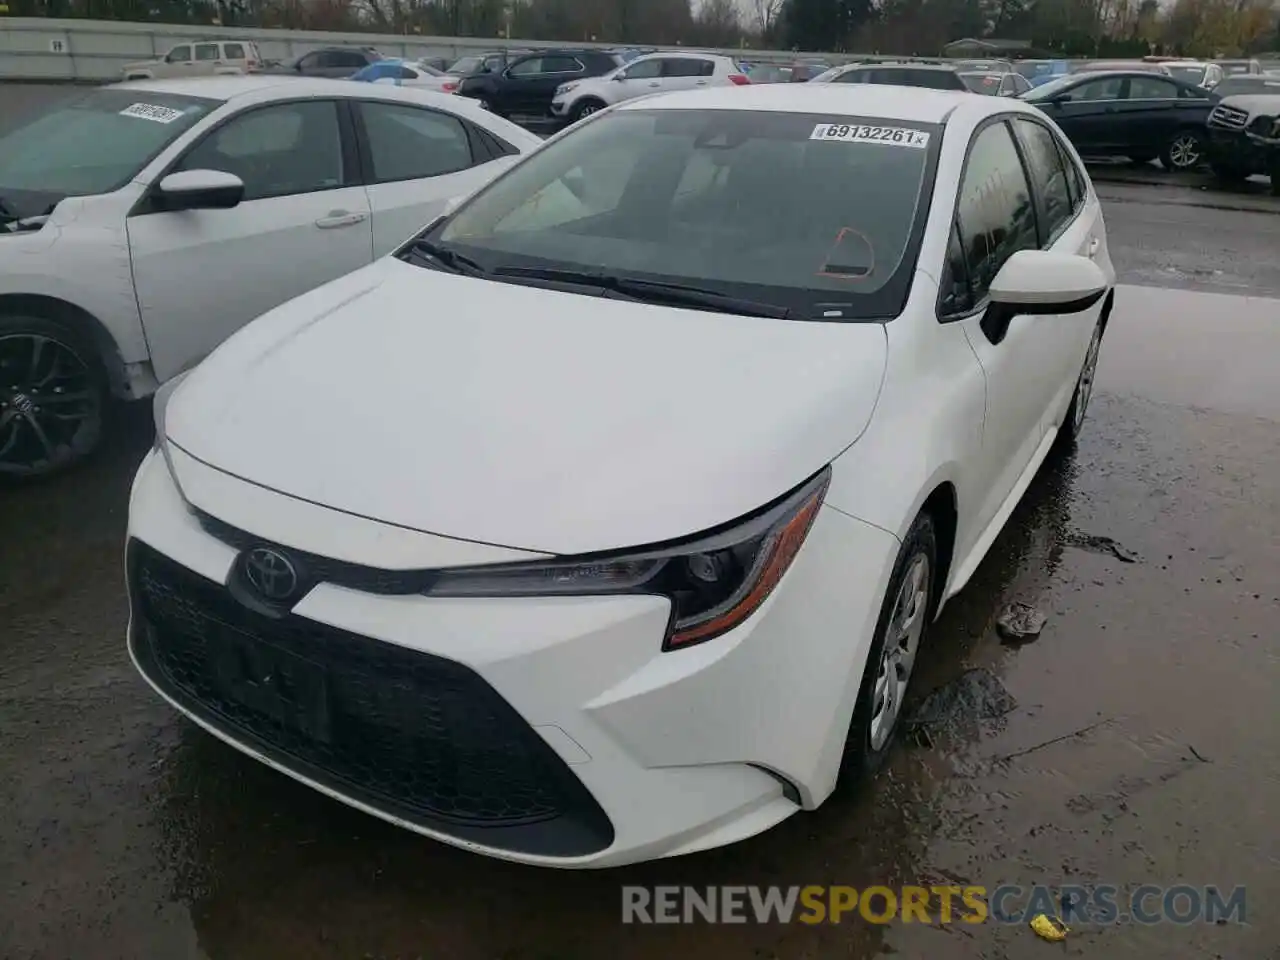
(1073, 423)
(585, 108)
(893, 653)
(1184, 151)
(53, 397)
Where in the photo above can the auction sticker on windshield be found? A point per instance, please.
(151, 111)
(860, 133)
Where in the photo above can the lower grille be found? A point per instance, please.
(415, 736)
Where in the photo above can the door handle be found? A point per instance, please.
(701, 83)
(1094, 246)
(340, 218)
(655, 84)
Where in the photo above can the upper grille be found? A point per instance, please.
(419, 737)
(1230, 117)
(318, 568)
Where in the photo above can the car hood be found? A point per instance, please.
(1254, 103)
(523, 417)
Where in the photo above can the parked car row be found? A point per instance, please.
(143, 223)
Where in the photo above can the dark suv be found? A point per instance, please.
(528, 84)
(1244, 138)
(328, 62)
(935, 76)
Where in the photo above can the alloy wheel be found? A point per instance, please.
(47, 396)
(901, 644)
(1184, 152)
(1084, 389)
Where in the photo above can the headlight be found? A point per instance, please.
(714, 582)
(566, 87)
(159, 404)
(1275, 128)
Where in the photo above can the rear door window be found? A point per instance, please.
(207, 51)
(1048, 175)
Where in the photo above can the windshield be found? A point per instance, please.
(1049, 88)
(816, 214)
(1234, 85)
(988, 83)
(1191, 74)
(95, 144)
(467, 65)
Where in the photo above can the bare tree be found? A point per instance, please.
(766, 14)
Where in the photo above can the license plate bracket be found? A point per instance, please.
(272, 682)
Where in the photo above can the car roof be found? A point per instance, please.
(267, 87)
(903, 65)
(914, 104)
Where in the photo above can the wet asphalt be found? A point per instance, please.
(1145, 746)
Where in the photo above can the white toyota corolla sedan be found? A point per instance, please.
(603, 521)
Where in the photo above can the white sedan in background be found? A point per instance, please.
(406, 73)
(143, 223)
(642, 77)
(586, 534)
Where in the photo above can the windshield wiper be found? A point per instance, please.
(449, 259)
(650, 291)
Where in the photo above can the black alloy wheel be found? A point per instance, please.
(52, 398)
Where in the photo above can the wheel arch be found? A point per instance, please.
(1106, 309)
(79, 320)
(942, 506)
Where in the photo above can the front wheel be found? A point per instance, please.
(52, 398)
(1185, 151)
(585, 108)
(1074, 421)
(904, 615)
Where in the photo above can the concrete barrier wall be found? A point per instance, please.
(96, 50)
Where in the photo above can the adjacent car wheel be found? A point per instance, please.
(52, 397)
(904, 617)
(585, 108)
(1184, 152)
(1074, 421)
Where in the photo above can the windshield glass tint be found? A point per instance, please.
(96, 144)
(794, 209)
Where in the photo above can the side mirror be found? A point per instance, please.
(1039, 283)
(201, 190)
(619, 78)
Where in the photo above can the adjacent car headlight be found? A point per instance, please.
(714, 581)
(566, 87)
(159, 404)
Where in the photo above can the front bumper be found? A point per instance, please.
(560, 107)
(1242, 151)
(549, 731)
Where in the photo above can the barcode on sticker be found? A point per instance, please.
(151, 111)
(860, 133)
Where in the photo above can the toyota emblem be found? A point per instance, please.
(271, 573)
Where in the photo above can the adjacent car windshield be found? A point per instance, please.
(815, 213)
(1191, 74)
(1050, 88)
(96, 144)
(988, 83)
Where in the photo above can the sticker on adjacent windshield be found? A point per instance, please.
(860, 133)
(151, 111)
